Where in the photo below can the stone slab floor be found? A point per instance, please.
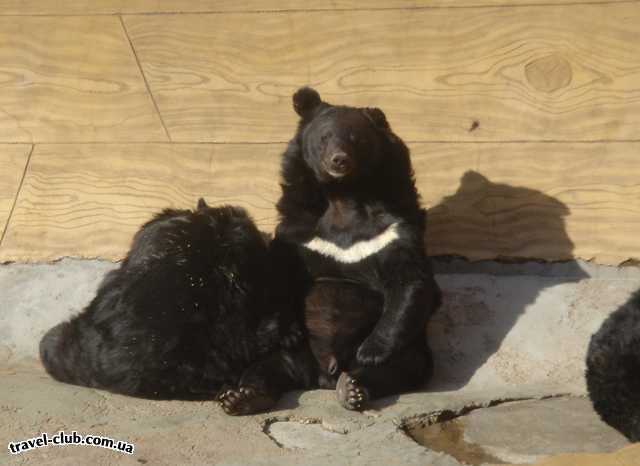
(509, 344)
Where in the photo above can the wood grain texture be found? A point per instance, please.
(86, 7)
(552, 201)
(486, 201)
(13, 159)
(529, 73)
(72, 79)
(88, 200)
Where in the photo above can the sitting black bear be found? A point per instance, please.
(350, 253)
(613, 369)
(183, 315)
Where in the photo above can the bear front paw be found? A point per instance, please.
(373, 352)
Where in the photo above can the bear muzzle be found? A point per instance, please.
(339, 164)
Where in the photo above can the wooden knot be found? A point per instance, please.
(548, 74)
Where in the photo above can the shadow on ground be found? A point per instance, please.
(477, 314)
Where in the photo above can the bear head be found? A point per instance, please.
(340, 143)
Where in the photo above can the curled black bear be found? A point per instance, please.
(613, 369)
(182, 316)
(350, 253)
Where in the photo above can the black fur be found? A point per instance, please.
(613, 369)
(346, 177)
(179, 318)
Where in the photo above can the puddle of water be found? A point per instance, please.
(448, 437)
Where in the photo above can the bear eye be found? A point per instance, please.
(325, 137)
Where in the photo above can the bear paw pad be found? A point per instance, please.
(351, 395)
(244, 400)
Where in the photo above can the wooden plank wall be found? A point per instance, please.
(522, 116)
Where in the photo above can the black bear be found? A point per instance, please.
(613, 369)
(182, 316)
(349, 250)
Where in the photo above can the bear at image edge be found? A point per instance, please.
(613, 369)
(181, 316)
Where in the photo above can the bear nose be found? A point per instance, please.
(339, 161)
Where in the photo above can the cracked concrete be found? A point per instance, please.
(505, 332)
(520, 432)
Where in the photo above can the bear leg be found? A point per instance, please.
(406, 371)
(263, 383)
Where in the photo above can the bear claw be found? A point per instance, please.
(245, 400)
(292, 339)
(351, 395)
(291, 334)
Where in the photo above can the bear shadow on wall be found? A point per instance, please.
(486, 220)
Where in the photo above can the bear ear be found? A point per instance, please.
(202, 204)
(377, 117)
(305, 101)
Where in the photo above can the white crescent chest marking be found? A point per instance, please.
(357, 251)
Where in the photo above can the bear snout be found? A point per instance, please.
(339, 164)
